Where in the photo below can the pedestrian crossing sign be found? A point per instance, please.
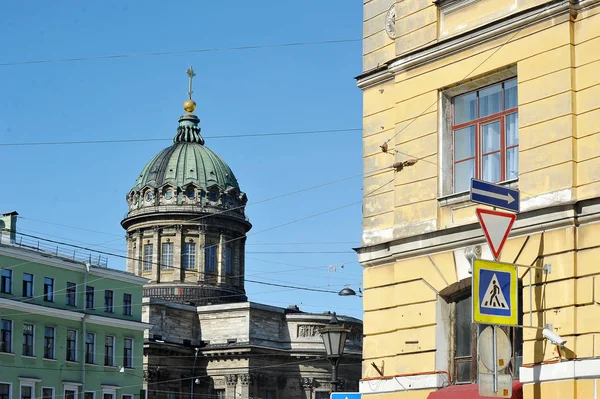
(494, 293)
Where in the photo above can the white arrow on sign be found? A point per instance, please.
(508, 198)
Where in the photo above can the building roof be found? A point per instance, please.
(187, 161)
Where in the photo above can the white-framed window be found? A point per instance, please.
(5, 390)
(126, 396)
(109, 350)
(189, 255)
(90, 348)
(28, 340)
(108, 301)
(49, 342)
(6, 281)
(27, 391)
(128, 353)
(6, 335)
(167, 255)
(70, 392)
(71, 294)
(89, 297)
(48, 289)
(127, 303)
(89, 395)
(71, 345)
(27, 285)
(148, 250)
(47, 393)
(109, 393)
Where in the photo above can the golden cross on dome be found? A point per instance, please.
(191, 74)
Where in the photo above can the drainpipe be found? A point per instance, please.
(83, 330)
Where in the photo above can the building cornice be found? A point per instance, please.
(527, 223)
(70, 315)
(50, 260)
(446, 47)
(565, 370)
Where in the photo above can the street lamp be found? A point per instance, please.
(334, 337)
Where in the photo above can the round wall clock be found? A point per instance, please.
(390, 22)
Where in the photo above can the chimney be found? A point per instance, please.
(8, 227)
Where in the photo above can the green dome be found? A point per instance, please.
(187, 173)
(183, 164)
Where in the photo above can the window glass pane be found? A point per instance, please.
(463, 328)
(512, 163)
(464, 143)
(490, 100)
(167, 255)
(464, 108)
(148, 257)
(210, 254)
(463, 172)
(490, 137)
(510, 94)
(490, 167)
(25, 392)
(47, 393)
(512, 129)
(463, 372)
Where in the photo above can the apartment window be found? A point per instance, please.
(47, 393)
(167, 255)
(228, 260)
(89, 297)
(72, 345)
(188, 258)
(6, 281)
(48, 289)
(88, 395)
(4, 390)
(108, 395)
(128, 353)
(127, 397)
(485, 135)
(27, 285)
(90, 348)
(27, 339)
(26, 391)
(210, 258)
(127, 304)
(108, 301)
(6, 336)
(49, 342)
(148, 256)
(71, 293)
(109, 351)
(70, 394)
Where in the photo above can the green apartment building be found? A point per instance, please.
(69, 327)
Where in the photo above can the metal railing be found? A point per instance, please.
(53, 248)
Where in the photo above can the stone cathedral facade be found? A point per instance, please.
(186, 230)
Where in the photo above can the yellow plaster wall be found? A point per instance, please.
(378, 48)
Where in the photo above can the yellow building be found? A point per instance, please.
(506, 91)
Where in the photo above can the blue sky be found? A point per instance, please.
(266, 90)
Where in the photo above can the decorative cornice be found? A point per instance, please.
(565, 370)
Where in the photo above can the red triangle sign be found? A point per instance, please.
(496, 227)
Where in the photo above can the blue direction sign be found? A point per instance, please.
(346, 395)
(495, 195)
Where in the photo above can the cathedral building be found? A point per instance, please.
(186, 231)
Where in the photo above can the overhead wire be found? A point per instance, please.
(163, 53)
(42, 143)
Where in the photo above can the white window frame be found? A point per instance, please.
(109, 390)
(10, 288)
(85, 348)
(12, 337)
(112, 355)
(9, 387)
(33, 340)
(93, 297)
(66, 292)
(53, 343)
(132, 352)
(27, 384)
(53, 392)
(71, 387)
(76, 346)
(32, 286)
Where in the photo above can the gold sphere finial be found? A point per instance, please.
(189, 105)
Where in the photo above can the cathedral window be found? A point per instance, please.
(228, 260)
(190, 193)
(169, 194)
(149, 196)
(188, 258)
(167, 255)
(148, 257)
(210, 258)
